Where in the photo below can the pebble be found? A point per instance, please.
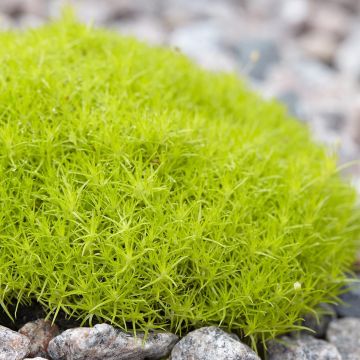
(348, 56)
(30, 21)
(295, 13)
(12, 8)
(201, 42)
(303, 348)
(13, 346)
(92, 11)
(143, 28)
(256, 56)
(39, 332)
(5, 22)
(211, 343)
(345, 335)
(320, 324)
(103, 342)
(331, 19)
(351, 299)
(292, 101)
(355, 122)
(319, 45)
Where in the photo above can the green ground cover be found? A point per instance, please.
(141, 190)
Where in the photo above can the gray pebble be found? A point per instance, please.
(351, 299)
(40, 332)
(257, 55)
(319, 324)
(347, 58)
(345, 335)
(211, 343)
(304, 347)
(103, 342)
(13, 346)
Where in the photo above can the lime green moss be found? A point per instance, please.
(143, 191)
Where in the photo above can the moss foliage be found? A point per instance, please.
(140, 190)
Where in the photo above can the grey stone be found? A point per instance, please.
(295, 13)
(319, 45)
(202, 41)
(351, 299)
(13, 346)
(17, 8)
(331, 19)
(211, 343)
(314, 73)
(5, 22)
(28, 21)
(143, 28)
(320, 323)
(103, 342)
(303, 348)
(292, 101)
(40, 332)
(347, 58)
(36, 358)
(12, 8)
(355, 129)
(345, 335)
(257, 56)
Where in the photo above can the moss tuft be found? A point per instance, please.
(143, 191)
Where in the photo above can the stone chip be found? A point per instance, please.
(13, 346)
(211, 343)
(103, 342)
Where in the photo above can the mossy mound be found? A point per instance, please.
(143, 191)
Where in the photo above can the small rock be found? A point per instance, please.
(179, 13)
(36, 358)
(5, 22)
(36, 7)
(347, 58)
(202, 41)
(13, 346)
(350, 5)
(40, 332)
(331, 19)
(319, 45)
(143, 28)
(295, 13)
(319, 325)
(92, 11)
(103, 342)
(345, 335)
(303, 348)
(355, 121)
(351, 299)
(261, 8)
(30, 21)
(314, 73)
(256, 56)
(292, 101)
(211, 343)
(12, 8)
